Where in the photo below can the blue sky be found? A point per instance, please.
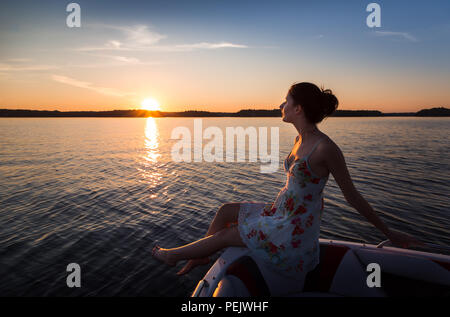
(269, 45)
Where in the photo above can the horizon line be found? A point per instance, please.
(246, 109)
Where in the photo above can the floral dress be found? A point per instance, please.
(286, 233)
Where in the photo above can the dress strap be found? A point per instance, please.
(315, 145)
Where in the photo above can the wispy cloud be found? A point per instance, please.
(403, 35)
(90, 86)
(140, 38)
(19, 60)
(134, 38)
(195, 46)
(7, 67)
(209, 46)
(110, 60)
(126, 60)
(106, 60)
(122, 59)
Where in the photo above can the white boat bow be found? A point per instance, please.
(343, 271)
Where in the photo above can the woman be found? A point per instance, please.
(285, 234)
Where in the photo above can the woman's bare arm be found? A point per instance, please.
(338, 168)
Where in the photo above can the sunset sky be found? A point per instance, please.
(222, 55)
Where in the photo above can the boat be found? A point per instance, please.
(346, 269)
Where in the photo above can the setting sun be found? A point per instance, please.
(150, 104)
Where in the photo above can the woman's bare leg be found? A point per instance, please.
(227, 213)
(201, 248)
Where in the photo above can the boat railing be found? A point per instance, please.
(203, 283)
(427, 247)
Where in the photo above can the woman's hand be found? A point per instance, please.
(403, 240)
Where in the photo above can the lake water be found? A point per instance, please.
(101, 191)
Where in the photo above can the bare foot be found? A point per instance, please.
(191, 264)
(163, 255)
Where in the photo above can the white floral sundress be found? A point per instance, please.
(286, 233)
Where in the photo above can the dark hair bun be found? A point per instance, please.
(330, 102)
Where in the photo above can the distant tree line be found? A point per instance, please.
(195, 113)
(434, 112)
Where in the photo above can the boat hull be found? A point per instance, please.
(345, 269)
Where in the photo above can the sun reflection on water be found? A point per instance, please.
(150, 171)
(151, 140)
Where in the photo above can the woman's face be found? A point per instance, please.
(288, 109)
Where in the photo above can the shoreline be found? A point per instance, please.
(21, 113)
